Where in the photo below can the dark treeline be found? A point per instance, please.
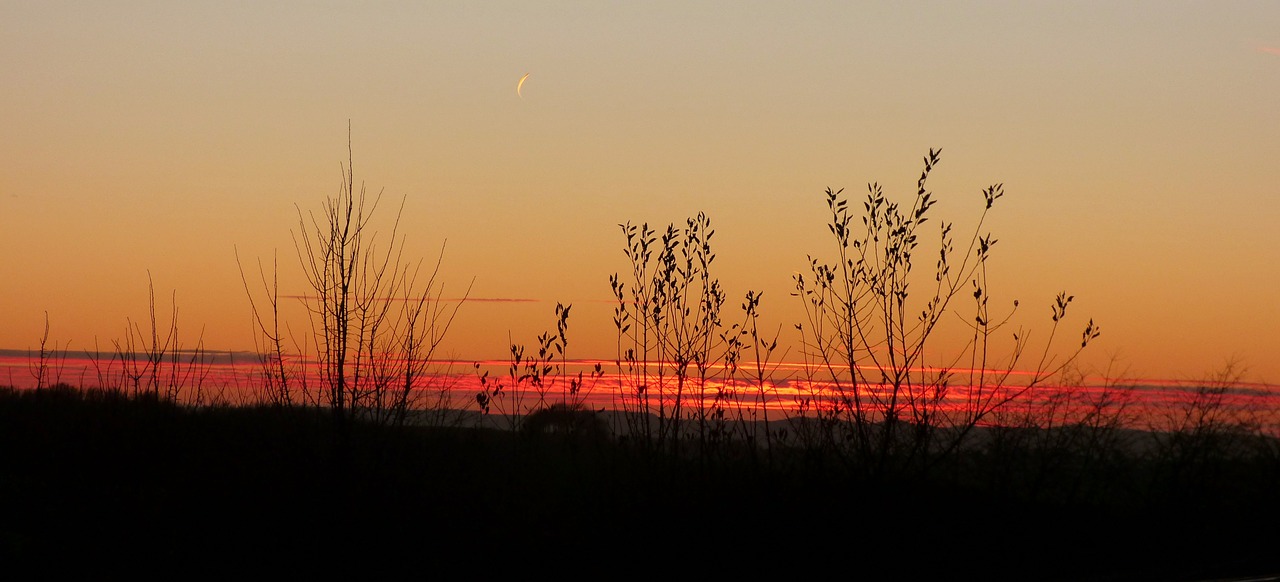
(114, 479)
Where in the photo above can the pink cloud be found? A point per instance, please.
(1269, 50)
(444, 299)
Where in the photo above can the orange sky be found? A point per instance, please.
(1137, 143)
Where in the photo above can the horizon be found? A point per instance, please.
(1135, 147)
(216, 378)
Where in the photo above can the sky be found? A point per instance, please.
(1136, 143)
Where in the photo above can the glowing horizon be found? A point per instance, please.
(790, 389)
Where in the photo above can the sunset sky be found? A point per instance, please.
(1137, 142)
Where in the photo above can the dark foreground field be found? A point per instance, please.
(108, 483)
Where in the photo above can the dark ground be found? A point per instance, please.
(116, 484)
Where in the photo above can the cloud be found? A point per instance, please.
(441, 299)
(468, 299)
(1269, 50)
(498, 300)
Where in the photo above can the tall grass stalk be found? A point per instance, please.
(47, 363)
(535, 384)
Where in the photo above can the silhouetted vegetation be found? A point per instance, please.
(104, 474)
(892, 461)
(374, 325)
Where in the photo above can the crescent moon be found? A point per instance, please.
(521, 84)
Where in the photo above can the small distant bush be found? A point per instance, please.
(565, 419)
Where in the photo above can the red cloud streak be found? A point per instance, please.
(234, 379)
(441, 299)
